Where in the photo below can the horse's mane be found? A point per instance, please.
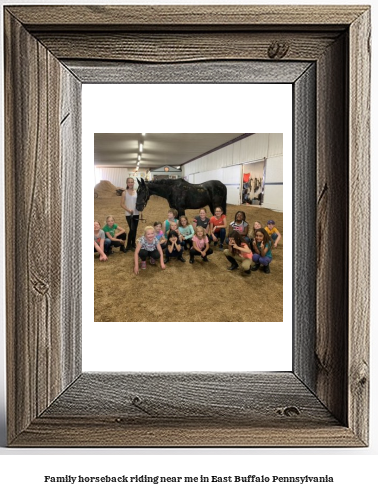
(165, 182)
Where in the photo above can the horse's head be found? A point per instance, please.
(143, 195)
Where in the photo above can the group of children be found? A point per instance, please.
(111, 235)
(170, 239)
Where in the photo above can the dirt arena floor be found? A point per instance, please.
(199, 292)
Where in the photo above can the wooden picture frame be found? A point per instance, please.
(49, 52)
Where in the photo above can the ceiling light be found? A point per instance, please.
(138, 157)
(140, 147)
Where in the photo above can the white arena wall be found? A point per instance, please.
(116, 175)
(226, 165)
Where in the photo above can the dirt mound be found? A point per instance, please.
(105, 189)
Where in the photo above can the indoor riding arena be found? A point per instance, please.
(203, 291)
(199, 292)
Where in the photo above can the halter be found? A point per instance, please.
(144, 186)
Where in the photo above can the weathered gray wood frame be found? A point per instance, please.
(49, 53)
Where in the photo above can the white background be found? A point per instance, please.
(186, 347)
(354, 470)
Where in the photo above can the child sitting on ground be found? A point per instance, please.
(172, 217)
(256, 225)
(238, 252)
(273, 232)
(202, 220)
(262, 254)
(200, 245)
(115, 233)
(186, 232)
(101, 244)
(240, 225)
(218, 224)
(174, 248)
(148, 246)
(173, 226)
(160, 235)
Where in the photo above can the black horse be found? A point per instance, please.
(182, 195)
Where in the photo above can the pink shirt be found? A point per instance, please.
(244, 254)
(201, 244)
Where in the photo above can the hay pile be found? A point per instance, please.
(105, 189)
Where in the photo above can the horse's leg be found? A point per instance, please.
(176, 203)
(217, 201)
(180, 211)
(224, 206)
(220, 201)
(210, 203)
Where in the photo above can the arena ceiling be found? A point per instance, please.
(159, 150)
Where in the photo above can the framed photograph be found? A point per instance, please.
(324, 52)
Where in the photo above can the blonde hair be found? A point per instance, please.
(109, 217)
(253, 232)
(148, 228)
(203, 231)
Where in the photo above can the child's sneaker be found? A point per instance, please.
(143, 265)
(152, 261)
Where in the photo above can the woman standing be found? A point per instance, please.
(128, 203)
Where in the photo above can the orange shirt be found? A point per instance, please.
(217, 222)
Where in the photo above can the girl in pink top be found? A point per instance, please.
(238, 252)
(200, 245)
